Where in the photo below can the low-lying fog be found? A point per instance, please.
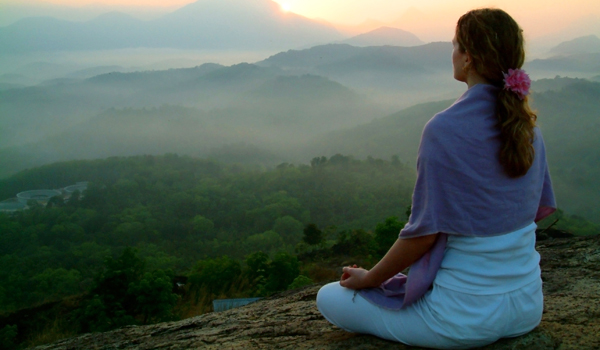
(266, 105)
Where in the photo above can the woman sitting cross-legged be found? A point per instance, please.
(482, 183)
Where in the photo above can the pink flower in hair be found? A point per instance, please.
(517, 81)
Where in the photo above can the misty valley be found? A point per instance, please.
(290, 108)
(212, 180)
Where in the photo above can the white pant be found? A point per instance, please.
(442, 318)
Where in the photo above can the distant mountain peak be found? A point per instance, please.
(235, 5)
(385, 36)
(204, 24)
(583, 44)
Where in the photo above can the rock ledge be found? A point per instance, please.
(290, 320)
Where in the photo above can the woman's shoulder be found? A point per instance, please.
(475, 105)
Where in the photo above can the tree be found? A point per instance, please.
(282, 271)
(268, 241)
(289, 228)
(386, 233)
(216, 275)
(74, 198)
(312, 234)
(273, 207)
(8, 334)
(154, 296)
(299, 282)
(57, 283)
(65, 234)
(113, 283)
(94, 316)
(203, 227)
(257, 265)
(358, 243)
(55, 201)
(318, 161)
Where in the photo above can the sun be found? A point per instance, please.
(286, 7)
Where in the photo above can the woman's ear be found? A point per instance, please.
(468, 62)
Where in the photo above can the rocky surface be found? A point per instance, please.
(571, 274)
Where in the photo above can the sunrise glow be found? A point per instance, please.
(430, 19)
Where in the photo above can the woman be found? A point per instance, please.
(482, 182)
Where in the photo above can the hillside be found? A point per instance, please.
(583, 65)
(58, 106)
(397, 134)
(342, 59)
(177, 210)
(385, 36)
(557, 83)
(584, 44)
(243, 104)
(225, 112)
(393, 76)
(569, 120)
(568, 116)
(54, 107)
(390, 77)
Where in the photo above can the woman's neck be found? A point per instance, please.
(473, 78)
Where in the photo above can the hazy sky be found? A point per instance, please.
(348, 11)
(537, 17)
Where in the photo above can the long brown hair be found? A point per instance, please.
(495, 43)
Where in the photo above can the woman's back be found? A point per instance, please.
(490, 265)
(461, 186)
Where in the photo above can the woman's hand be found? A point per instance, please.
(346, 274)
(355, 278)
(401, 255)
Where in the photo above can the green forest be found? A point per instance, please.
(157, 238)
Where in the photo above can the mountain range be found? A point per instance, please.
(392, 76)
(580, 64)
(209, 106)
(384, 36)
(580, 45)
(294, 105)
(205, 24)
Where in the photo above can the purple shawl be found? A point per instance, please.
(462, 189)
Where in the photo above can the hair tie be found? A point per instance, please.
(517, 81)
